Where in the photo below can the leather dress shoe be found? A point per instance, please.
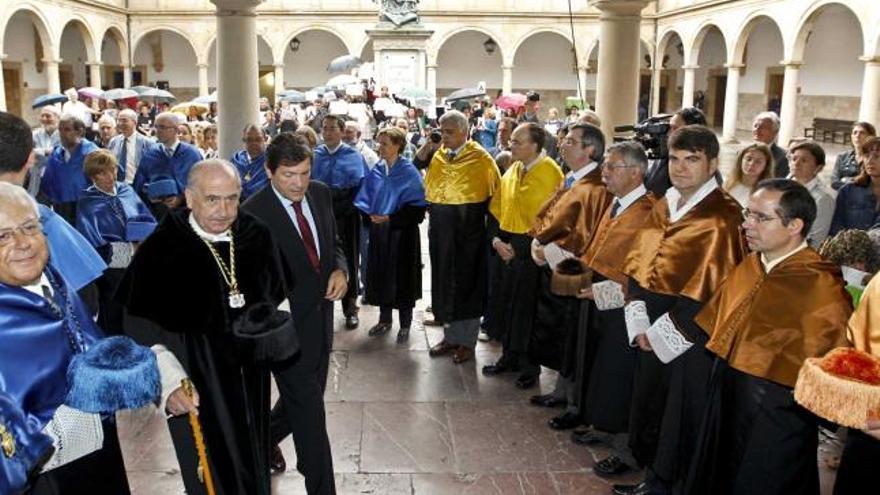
(462, 354)
(565, 421)
(352, 322)
(610, 467)
(498, 368)
(277, 464)
(441, 349)
(526, 381)
(432, 322)
(640, 489)
(379, 329)
(587, 437)
(402, 335)
(547, 400)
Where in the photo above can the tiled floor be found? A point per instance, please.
(401, 422)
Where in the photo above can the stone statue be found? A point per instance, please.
(398, 12)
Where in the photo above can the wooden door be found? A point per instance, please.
(13, 88)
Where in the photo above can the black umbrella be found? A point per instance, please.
(465, 93)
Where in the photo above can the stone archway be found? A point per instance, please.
(544, 62)
(758, 50)
(465, 58)
(671, 60)
(76, 49)
(709, 56)
(165, 57)
(27, 44)
(307, 54)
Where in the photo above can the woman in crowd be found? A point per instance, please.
(112, 217)
(488, 128)
(394, 198)
(185, 133)
(754, 163)
(806, 159)
(553, 122)
(857, 201)
(849, 164)
(209, 142)
(309, 135)
(145, 119)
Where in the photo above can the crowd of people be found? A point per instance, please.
(675, 304)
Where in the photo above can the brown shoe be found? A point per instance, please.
(441, 349)
(462, 354)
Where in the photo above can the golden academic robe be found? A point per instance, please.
(863, 329)
(522, 194)
(470, 177)
(572, 215)
(767, 324)
(613, 238)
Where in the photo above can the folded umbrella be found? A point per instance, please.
(48, 99)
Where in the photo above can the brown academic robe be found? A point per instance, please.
(675, 268)
(754, 438)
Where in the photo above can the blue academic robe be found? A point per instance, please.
(64, 182)
(156, 166)
(69, 251)
(341, 170)
(103, 218)
(253, 173)
(38, 345)
(382, 193)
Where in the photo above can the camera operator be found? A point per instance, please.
(657, 178)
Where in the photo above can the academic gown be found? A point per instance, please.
(63, 182)
(343, 171)
(674, 268)
(69, 251)
(155, 166)
(252, 173)
(458, 190)
(175, 295)
(394, 265)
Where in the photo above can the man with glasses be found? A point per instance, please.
(161, 175)
(251, 160)
(688, 246)
(783, 304)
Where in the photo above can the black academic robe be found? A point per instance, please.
(514, 298)
(394, 263)
(174, 295)
(348, 227)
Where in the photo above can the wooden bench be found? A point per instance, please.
(829, 130)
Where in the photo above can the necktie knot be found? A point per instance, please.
(569, 181)
(615, 206)
(169, 151)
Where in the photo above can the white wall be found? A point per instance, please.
(712, 56)
(19, 45)
(178, 58)
(831, 65)
(544, 61)
(73, 53)
(763, 49)
(307, 67)
(110, 51)
(462, 62)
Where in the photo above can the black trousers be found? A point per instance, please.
(858, 464)
(403, 314)
(300, 411)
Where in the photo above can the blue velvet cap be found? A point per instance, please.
(162, 188)
(23, 447)
(113, 374)
(137, 230)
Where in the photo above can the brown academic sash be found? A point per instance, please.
(610, 246)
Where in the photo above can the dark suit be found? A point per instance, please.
(657, 179)
(302, 379)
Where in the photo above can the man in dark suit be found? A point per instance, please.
(765, 129)
(300, 215)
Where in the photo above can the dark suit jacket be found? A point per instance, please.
(657, 179)
(312, 314)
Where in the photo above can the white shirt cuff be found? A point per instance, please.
(635, 314)
(170, 371)
(668, 343)
(608, 294)
(555, 255)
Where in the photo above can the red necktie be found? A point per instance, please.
(307, 238)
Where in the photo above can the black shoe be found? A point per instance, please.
(402, 335)
(547, 400)
(277, 464)
(640, 489)
(565, 421)
(526, 381)
(610, 467)
(379, 329)
(432, 322)
(588, 437)
(352, 322)
(498, 368)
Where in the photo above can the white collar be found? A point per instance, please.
(528, 166)
(222, 237)
(580, 174)
(630, 198)
(172, 147)
(108, 193)
(131, 138)
(456, 151)
(335, 149)
(769, 265)
(37, 287)
(672, 197)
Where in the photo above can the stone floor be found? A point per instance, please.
(403, 423)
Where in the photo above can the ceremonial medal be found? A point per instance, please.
(247, 178)
(236, 300)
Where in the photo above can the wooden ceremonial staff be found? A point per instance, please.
(204, 472)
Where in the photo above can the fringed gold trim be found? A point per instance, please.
(845, 402)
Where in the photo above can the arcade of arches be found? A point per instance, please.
(803, 58)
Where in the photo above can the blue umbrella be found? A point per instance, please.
(48, 99)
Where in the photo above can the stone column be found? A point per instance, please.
(731, 104)
(126, 75)
(689, 85)
(656, 80)
(2, 84)
(53, 82)
(95, 78)
(506, 79)
(617, 86)
(279, 78)
(788, 108)
(203, 79)
(238, 90)
(870, 108)
(431, 83)
(582, 80)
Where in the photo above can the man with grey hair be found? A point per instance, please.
(192, 284)
(106, 131)
(64, 180)
(460, 180)
(765, 129)
(46, 138)
(128, 146)
(251, 160)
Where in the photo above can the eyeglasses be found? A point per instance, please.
(28, 229)
(615, 166)
(757, 217)
(165, 127)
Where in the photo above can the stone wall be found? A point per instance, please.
(808, 108)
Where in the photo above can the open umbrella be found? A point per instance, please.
(119, 94)
(510, 101)
(292, 96)
(207, 100)
(141, 89)
(183, 108)
(48, 99)
(90, 92)
(151, 93)
(414, 93)
(342, 80)
(465, 93)
(343, 64)
(319, 90)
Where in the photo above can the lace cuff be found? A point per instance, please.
(608, 294)
(635, 314)
(75, 434)
(668, 343)
(555, 255)
(121, 254)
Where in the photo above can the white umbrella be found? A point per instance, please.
(342, 80)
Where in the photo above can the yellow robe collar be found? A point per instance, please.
(470, 177)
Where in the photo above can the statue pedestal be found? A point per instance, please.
(399, 54)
